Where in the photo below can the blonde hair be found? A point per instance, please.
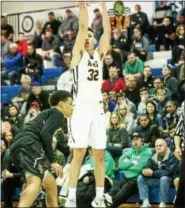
(25, 77)
(178, 28)
(125, 119)
(119, 121)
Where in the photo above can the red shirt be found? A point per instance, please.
(116, 85)
(22, 47)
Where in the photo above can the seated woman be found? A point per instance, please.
(155, 117)
(117, 136)
(127, 118)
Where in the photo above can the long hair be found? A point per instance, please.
(119, 121)
(125, 119)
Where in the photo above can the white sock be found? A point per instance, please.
(99, 192)
(72, 193)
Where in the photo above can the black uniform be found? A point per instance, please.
(32, 149)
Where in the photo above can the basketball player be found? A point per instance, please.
(88, 126)
(33, 145)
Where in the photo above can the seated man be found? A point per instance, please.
(133, 66)
(158, 173)
(11, 63)
(51, 49)
(114, 83)
(131, 163)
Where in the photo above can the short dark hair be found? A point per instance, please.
(32, 45)
(96, 10)
(121, 94)
(90, 29)
(57, 96)
(130, 53)
(51, 14)
(144, 89)
(20, 33)
(105, 91)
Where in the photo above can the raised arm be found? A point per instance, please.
(105, 38)
(80, 39)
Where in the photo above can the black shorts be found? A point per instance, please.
(28, 155)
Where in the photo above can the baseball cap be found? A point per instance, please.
(135, 134)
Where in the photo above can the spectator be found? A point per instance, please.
(11, 63)
(180, 17)
(39, 96)
(170, 82)
(6, 29)
(122, 99)
(112, 101)
(131, 163)
(33, 63)
(139, 19)
(14, 116)
(107, 63)
(5, 43)
(65, 81)
(97, 25)
(158, 172)
(32, 113)
(147, 80)
(24, 95)
(180, 35)
(69, 39)
(155, 117)
(105, 96)
(158, 84)
(120, 43)
(132, 91)
(51, 48)
(52, 24)
(114, 83)
(22, 44)
(165, 35)
(117, 136)
(26, 82)
(148, 131)
(140, 44)
(70, 23)
(126, 117)
(7, 138)
(133, 66)
(161, 99)
(171, 115)
(144, 98)
(37, 40)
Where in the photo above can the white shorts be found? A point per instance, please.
(87, 127)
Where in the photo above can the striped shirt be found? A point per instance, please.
(180, 129)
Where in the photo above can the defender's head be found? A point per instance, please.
(62, 101)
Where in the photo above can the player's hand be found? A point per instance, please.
(57, 168)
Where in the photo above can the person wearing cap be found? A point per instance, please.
(158, 173)
(97, 24)
(131, 163)
(52, 24)
(70, 23)
(170, 82)
(39, 96)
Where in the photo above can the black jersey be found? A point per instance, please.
(42, 128)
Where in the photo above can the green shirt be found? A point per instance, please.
(135, 68)
(133, 161)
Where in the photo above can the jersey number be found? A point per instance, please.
(93, 76)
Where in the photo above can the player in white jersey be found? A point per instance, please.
(88, 126)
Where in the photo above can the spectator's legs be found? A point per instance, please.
(56, 60)
(13, 77)
(51, 190)
(125, 188)
(31, 191)
(164, 188)
(143, 186)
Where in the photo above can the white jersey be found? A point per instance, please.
(88, 79)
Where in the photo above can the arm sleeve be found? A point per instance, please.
(124, 137)
(52, 124)
(124, 165)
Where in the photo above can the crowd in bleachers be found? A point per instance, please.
(140, 105)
